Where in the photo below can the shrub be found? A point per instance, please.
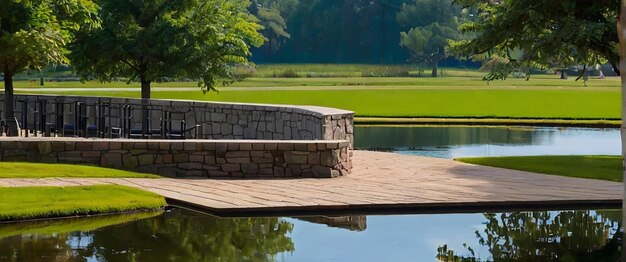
(385, 71)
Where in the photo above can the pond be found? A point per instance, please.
(181, 235)
(469, 141)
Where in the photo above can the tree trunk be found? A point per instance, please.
(435, 64)
(9, 108)
(145, 100)
(145, 88)
(621, 33)
(564, 74)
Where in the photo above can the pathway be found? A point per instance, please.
(380, 182)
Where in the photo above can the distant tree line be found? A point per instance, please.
(356, 31)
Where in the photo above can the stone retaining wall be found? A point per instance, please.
(217, 120)
(190, 158)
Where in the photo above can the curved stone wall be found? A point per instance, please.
(232, 139)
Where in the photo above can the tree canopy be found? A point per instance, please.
(34, 34)
(154, 39)
(547, 32)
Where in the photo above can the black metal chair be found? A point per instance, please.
(181, 130)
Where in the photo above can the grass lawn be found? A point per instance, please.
(485, 103)
(37, 170)
(21, 203)
(595, 167)
(461, 94)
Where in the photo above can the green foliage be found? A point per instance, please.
(149, 40)
(38, 170)
(20, 203)
(433, 26)
(596, 167)
(34, 34)
(551, 33)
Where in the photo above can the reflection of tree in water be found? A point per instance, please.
(175, 236)
(546, 236)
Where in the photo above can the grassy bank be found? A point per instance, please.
(22, 203)
(595, 167)
(37, 170)
(601, 123)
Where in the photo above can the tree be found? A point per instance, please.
(34, 34)
(153, 39)
(569, 32)
(433, 24)
(546, 29)
(274, 25)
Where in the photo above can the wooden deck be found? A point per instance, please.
(380, 182)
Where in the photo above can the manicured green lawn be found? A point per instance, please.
(37, 170)
(21, 203)
(595, 167)
(497, 103)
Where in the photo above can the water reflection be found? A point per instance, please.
(179, 235)
(463, 141)
(176, 235)
(545, 236)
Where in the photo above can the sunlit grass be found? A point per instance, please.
(595, 167)
(19, 203)
(38, 170)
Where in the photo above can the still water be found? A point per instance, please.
(463, 141)
(180, 235)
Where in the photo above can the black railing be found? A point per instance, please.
(51, 118)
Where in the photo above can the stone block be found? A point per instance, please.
(129, 161)
(177, 146)
(300, 147)
(196, 158)
(238, 160)
(210, 160)
(145, 159)
(164, 146)
(153, 146)
(296, 157)
(285, 146)
(190, 166)
(262, 160)
(208, 146)
(320, 171)
(220, 149)
(140, 145)
(100, 145)
(236, 154)
(115, 146)
(44, 148)
(189, 146)
(250, 168)
(91, 154)
(231, 167)
(233, 146)
(56, 146)
(70, 146)
(329, 158)
(313, 158)
(181, 158)
(111, 160)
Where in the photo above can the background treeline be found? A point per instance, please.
(336, 31)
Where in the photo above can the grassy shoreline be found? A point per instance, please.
(593, 167)
(26, 203)
(595, 123)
